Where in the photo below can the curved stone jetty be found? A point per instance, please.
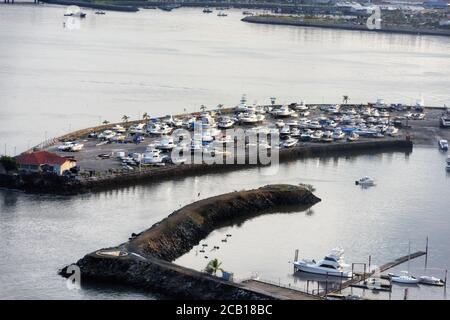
(144, 261)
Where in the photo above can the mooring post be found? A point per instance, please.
(370, 258)
(405, 296)
(426, 253)
(326, 285)
(340, 285)
(353, 265)
(445, 281)
(307, 286)
(318, 288)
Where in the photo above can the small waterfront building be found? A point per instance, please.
(43, 161)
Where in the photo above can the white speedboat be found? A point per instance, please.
(404, 278)
(77, 147)
(283, 111)
(443, 145)
(166, 143)
(279, 123)
(338, 134)
(365, 182)
(225, 123)
(430, 280)
(332, 265)
(242, 106)
(118, 128)
(327, 137)
(66, 146)
(301, 106)
(353, 137)
(289, 143)
(248, 118)
(285, 131)
(316, 136)
(391, 131)
(152, 156)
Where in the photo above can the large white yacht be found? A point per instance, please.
(332, 265)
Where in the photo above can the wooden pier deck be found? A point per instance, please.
(361, 277)
(277, 291)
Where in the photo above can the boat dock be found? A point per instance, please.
(360, 277)
(278, 290)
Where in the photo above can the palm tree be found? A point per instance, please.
(345, 99)
(213, 266)
(203, 108)
(145, 116)
(220, 107)
(105, 122)
(125, 118)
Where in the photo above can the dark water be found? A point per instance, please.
(55, 79)
(40, 234)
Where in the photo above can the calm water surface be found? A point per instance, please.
(40, 234)
(53, 80)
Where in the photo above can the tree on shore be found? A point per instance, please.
(9, 163)
(213, 266)
(125, 118)
(145, 116)
(105, 122)
(203, 108)
(345, 99)
(220, 107)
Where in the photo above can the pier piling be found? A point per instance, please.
(426, 253)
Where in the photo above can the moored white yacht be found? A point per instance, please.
(404, 278)
(332, 265)
(225, 122)
(430, 280)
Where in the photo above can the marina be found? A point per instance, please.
(94, 117)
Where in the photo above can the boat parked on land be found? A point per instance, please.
(289, 143)
(331, 265)
(443, 144)
(353, 137)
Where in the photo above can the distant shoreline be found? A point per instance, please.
(282, 20)
(111, 7)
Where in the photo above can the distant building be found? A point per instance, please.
(43, 161)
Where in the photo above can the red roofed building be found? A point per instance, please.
(40, 161)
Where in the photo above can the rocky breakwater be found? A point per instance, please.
(144, 261)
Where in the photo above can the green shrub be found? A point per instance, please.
(9, 163)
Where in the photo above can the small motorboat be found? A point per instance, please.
(291, 142)
(207, 10)
(365, 182)
(280, 123)
(404, 278)
(222, 14)
(448, 164)
(443, 145)
(432, 281)
(100, 12)
(353, 137)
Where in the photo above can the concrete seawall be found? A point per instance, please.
(51, 184)
(144, 260)
(282, 20)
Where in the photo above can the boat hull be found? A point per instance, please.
(321, 271)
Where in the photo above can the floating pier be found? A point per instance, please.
(354, 282)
